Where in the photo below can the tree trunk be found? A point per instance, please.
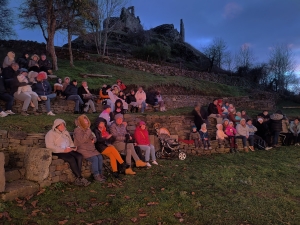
(51, 22)
(70, 48)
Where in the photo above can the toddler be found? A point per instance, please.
(204, 136)
(231, 132)
(220, 136)
(194, 135)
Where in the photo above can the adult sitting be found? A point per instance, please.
(59, 141)
(232, 117)
(104, 145)
(103, 95)
(85, 141)
(257, 139)
(275, 124)
(131, 100)
(26, 97)
(9, 73)
(87, 97)
(265, 115)
(113, 98)
(242, 132)
(44, 91)
(107, 115)
(160, 101)
(152, 100)
(140, 97)
(141, 136)
(65, 83)
(121, 85)
(33, 64)
(5, 96)
(213, 111)
(9, 59)
(295, 129)
(285, 134)
(45, 64)
(71, 93)
(244, 115)
(58, 88)
(124, 143)
(23, 61)
(200, 115)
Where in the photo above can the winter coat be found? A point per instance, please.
(194, 135)
(262, 129)
(9, 59)
(130, 98)
(199, 120)
(9, 73)
(140, 97)
(293, 127)
(45, 63)
(118, 131)
(150, 98)
(84, 137)
(118, 109)
(2, 85)
(23, 61)
(242, 130)
(42, 88)
(107, 116)
(230, 131)
(276, 122)
(285, 125)
(203, 134)
(71, 89)
(231, 117)
(141, 136)
(81, 91)
(57, 141)
(212, 109)
(101, 142)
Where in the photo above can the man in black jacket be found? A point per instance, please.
(71, 93)
(213, 111)
(5, 96)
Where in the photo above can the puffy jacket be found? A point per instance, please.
(42, 88)
(212, 109)
(276, 122)
(71, 89)
(141, 136)
(242, 130)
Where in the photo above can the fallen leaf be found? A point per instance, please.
(93, 199)
(33, 203)
(28, 197)
(152, 188)
(93, 191)
(181, 220)
(152, 203)
(134, 219)
(178, 215)
(5, 215)
(34, 212)
(127, 197)
(193, 193)
(41, 192)
(98, 221)
(62, 222)
(162, 189)
(80, 210)
(142, 214)
(111, 195)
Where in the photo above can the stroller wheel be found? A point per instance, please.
(182, 155)
(158, 154)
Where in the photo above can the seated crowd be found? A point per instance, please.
(25, 79)
(263, 132)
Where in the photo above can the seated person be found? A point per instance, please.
(265, 115)
(259, 141)
(263, 130)
(121, 85)
(58, 88)
(65, 83)
(244, 115)
(45, 64)
(238, 117)
(213, 111)
(285, 134)
(204, 137)
(123, 143)
(122, 96)
(131, 100)
(43, 88)
(140, 97)
(295, 129)
(225, 124)
(119, 107)
(242, 132)
(107, 114)
(59, 141)
(33, 64)
(141, 136)
(71, 93)
(103, 92)
(232, 117)
(160, 101)
(113, 98)
(23, 61)
(230, 131)
(115, 89)
(151, 99)
(85, 141)
(104, 145)
(221, 137)
(9, 59)
(87, 97)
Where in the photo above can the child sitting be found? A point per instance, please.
(231, 132)
(119, 107)
(204, 136)
(58, 88)
(220, 136)
(231, 108)
(238, 117)
(195, 136)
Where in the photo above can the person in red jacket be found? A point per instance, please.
(121, 85)
(141, 136)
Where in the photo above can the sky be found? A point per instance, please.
(259, 24)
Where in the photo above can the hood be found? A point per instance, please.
(98, 120)
(35, 55)
(276, 116)
(81, 124)
(67, 78)
(57, 122)
(11, 55)
(115, 85)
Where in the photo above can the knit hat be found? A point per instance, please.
(104, 86)
(118, 116)
(220, 101)
(41, 76)
(194, 127)
(106, 106)
(22, 70)
(142, 123)
(225, 120)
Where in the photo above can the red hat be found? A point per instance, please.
(41, 76)
(220, 100)
(142, 123)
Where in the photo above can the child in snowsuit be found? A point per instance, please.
(204, 136)
(231, 132)
(194, 135)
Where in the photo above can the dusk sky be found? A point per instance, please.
(260, 24)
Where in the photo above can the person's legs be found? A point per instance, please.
(34, 99)
(152, 153)
(72, 160)
(244, 140)
(8, 99)
(251, 140)
(92, 105)
(114, 156)
(77, 100)
(25, 98)
(95, 165)
(146, 148)
(120, 146)
(275, 137)
(47, 102)
(143, 106)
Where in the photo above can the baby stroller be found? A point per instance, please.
(169, 146)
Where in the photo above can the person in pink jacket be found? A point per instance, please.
(140, 97)
(141, 136)
(230, 131)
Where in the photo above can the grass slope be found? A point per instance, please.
(247, 188)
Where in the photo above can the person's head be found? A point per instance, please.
(74, 82)
(243, 112)
(215, 101)
(121, 93)
(197, 106)
(296, 121)
(83, 122)
(26, 55)
(227, 103)
(119, 119)
(101, 125)
(118, 103)
(220, 102)
(219, 126)
(107, 108)
(116, 88)
(132, 92)
(35, 57)
(243, 122)
(23, 71)
(203, 126)
(59, 80)
(11, 55)
(140, 89)
(238, 114)
(260, 120)
(230, 124)
(230, 105)
(43, 57)
(119, 82)
(194, 128)
(249, 122)
(67, 80)
(41, 76)
(15, 66)
(225, 122)
(142, 125)
(265, 112)
(59, 125)
(84, 83)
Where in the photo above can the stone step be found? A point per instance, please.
(14, 174)
(19, 188)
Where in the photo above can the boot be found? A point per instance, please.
(140, 163)
(99, 178)
(129, 171)
(246, 149)
(131, 109)
(122, 168)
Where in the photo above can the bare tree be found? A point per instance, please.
(6, 21)
(244, 57)
(228, 61)
(215, 52)
(44, 14)
(282, 66)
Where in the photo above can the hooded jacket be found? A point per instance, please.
(294, 127)
(71, 89)
(276, 122)
(42, 88)
(57, 141)
(84, 138)
(9, 59)
(101, 142)
(141, 136)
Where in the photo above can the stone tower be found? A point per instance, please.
(182, 32)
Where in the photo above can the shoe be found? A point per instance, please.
(140, 163)
(98, 178)
(50, 113)
(9, 112)
(148, 164)
(84, 181)
(78, 182)
(154, 162)
(24, 113)
(35, 113)
(129, 171)
(122, 168)
(209, 148)
(268, 148)
(103, 177)
(246, 149)
(44, 98)
(3, 114)
(251, 148)
(205, 148)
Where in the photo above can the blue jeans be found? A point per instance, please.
(244, 140)
(143, 106)
(97, 162)
(8, 99)
(275, 137)
(77, 100)
(47, 102)
(149, 149)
